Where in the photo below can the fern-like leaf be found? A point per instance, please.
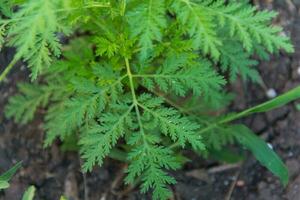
(99, 139)
(238, 62)
(244, 22)
(106, 47)
(180, 75)
(78, 110)
(199, 25)
(170, 122)
(39, 22)
(148, 161)
(23, 106)
(6, 8)
(147, 20)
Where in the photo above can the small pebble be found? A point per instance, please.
(283, 34)
(271, 93)
(298, 70)
(240, 183)
(226, 182)
(270, 145)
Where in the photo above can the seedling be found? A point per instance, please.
(141, 80)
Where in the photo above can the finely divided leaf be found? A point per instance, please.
(147, 21)
(97, 142)
(244, 22)
(199, 25)
(238, 62)
(149, 161)
(38, 20)
(180, 75)
(170, 122)
(23, 106)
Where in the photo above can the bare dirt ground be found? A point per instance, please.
(55, 172)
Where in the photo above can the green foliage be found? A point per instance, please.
(147, 20)
(100, 139)
(262, 152)
(238, 62)
(23, 106)
(4, 185)
(180, 74)
(108, 84)
(39, 22)
(5, 7)
(5, 177)
(199, 24)
(29, 193)
(148, 160)
(63, 198)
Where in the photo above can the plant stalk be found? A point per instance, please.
(8, 69)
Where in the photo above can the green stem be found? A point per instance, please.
(8, 68)
(123, 8)
(158, 76)
(135, 102)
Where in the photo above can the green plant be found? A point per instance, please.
(124, 81)
(29, 194)
(5, 177)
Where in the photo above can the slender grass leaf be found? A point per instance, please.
(262, 152)
(267, 106)
(9, 174)
(276, 102)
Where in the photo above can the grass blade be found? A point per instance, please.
(262, 152)
(267, 106)
(9, 174)
(29, 193)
